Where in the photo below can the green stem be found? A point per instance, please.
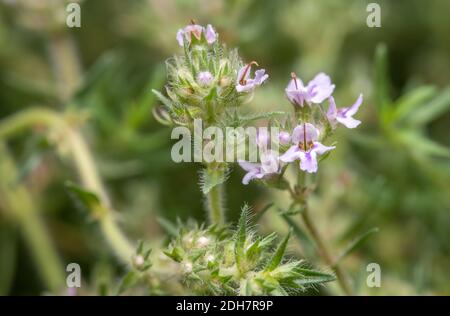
(85, 166)
(299, 196)
(214, 203)
(325, 253)
(18, 203)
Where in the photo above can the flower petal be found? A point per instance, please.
(249, 166)
(295, 84)
(210, 34)
(321, 149)
(348, 121)
(308, 161)
(295, 91)
(250, 176)
(320, 88)
(292, 154)
(180, 35)
(354, 108)
(269, 162)
(243, 73)
(244, 88)
(303, 132)
(260, 76)
(332, 110)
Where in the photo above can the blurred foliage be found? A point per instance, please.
(392, 173)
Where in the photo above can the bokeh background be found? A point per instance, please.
(393, 172)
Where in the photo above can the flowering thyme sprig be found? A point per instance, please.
(207, 82)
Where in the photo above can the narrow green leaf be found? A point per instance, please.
(130, 279)
(421, 145)
(409, 102)
(279, 253)
(311, 277)
(86, 197)
(138, 114)
(165, 101)
(168, 226)
(261, 213)
(431, 110)
(355, 244)
(300, 235)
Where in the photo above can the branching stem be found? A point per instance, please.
(298, 196)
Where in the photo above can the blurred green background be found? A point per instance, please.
(393, 172)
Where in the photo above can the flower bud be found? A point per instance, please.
(205, 78)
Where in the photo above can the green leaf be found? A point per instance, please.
(431, 110)
(267, 241)
(176, 254)
(355, 244)
(87, 198)
(168, 226)
(165, 101)
(261, 213)
(422, 146)
(138, 114)
(279, 253)
(409, 102)
(301, 236)
(211, 177)
(312, 277)
(129, 280)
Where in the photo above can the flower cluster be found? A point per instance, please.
(312, 125)
(208, 81)
(212, 261)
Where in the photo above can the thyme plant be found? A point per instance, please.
(210, 82)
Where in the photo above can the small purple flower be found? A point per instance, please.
(196, 30)
(245, 83)
(269, 165)
(305, 147)
(344, 115)
(317, 90)
(210, 34)
(205, 78)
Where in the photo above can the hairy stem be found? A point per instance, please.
(214, 204)
(17, 202)
(91, 180)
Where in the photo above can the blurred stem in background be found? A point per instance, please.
(299, 197)
(18, 203)
(68, 73)
(85, 166)
(324, 252)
